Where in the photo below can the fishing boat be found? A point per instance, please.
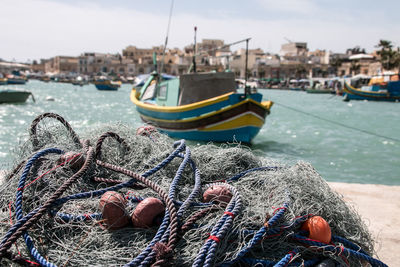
(3, 80)
(103, 83)
(14, 96)
(201, 106)
(318, 87)
(382, 88)
(14, 79)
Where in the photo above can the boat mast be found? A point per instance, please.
(246, 88)
(166, 41)
(194, 49)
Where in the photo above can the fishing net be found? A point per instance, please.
(260, 226)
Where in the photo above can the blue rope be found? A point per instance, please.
(239, 175)
(258, 236)
(339, 250)
(268, 263)
(142, 258)
(207, 252)
(287, 259)
(348, 244)
(18, 207)
(180, 145)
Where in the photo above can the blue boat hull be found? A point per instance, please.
(105, 87)
(390, 93)
(244, 134)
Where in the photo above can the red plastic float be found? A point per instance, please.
(112, 205)
(318, 229)
(217, 193)
(146, 211)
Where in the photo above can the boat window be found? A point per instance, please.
(162, 92)
(149, 93)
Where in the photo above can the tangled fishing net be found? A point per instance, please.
(50, 212)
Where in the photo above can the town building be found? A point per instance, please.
(61, 64)
(98, 63)
(294, 52)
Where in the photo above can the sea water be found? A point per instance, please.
(356, 142)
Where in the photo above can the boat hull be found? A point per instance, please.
(16, 81)
(227, 118)
(351, 93)
(106, 87)
(319, 91)
(9, 96)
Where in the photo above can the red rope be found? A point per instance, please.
(230, 214)
(41, 176)
(281, 208)
(213, 237)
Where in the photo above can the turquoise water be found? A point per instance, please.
(291, 133)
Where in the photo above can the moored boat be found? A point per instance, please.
(14, 96)
(106, 84)
(201, 106)
(14, 79)
(3, 81)
(384, 88)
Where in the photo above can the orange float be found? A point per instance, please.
(217, 193)
(146, 211)
(146, 130)
(112, 205)
(74, 160)
(318, 229)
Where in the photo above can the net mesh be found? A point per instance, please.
(91, 244)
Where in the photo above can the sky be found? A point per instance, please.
(36, 29)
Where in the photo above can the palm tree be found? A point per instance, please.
(355, 67)
(335, 63)
(388, 56)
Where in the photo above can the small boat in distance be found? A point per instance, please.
(3, 80)
(379, 88)
(103, 83)
(14, 96)
(14, 79)
(318, 87)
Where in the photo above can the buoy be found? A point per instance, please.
(318, 229)
(112, 206)
(146, 130)
(146, 212)
(217, 193)
(76, 160)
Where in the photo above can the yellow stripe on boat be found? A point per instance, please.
(210, 113)
(134, 98)
(246, 119)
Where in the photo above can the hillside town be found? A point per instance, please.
(294, 61)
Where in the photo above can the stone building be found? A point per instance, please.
(96, 63)
(61, 64)
(360, 64)
(295, 52)
(238, 61)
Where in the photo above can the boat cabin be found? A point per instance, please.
(188, 88)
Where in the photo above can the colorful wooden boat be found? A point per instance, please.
(13, 79)
(14, 96)
(201, 106)
(3, 81)
(106, 84)
(383, 91)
